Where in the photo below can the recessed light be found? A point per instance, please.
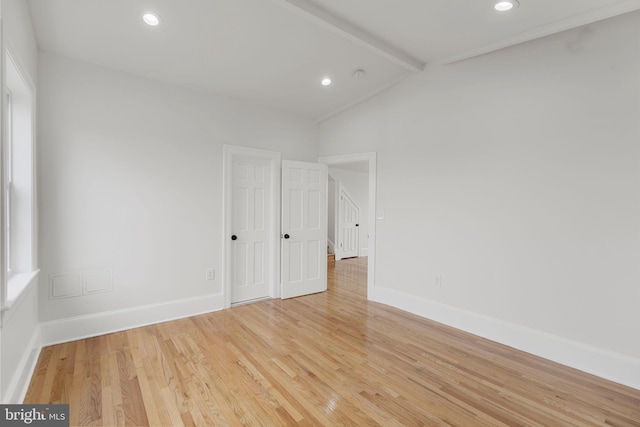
(505, 5)
(326, 81)
(151, 19)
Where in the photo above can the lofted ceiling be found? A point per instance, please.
(275, 52)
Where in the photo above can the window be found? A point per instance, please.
(8, 179)
(18, 180)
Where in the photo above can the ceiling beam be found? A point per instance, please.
(348, 31)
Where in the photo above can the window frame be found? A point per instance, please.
(19, 211)
(8, 167)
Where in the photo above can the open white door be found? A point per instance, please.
(348, 225)
(304, 228)
(250, 224)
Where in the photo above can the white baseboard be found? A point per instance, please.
(75, 328)
(602, 363)
(21, 378)
(364, 252)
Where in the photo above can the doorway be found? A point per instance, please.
(347, 223)
(357, 161)
(251, 235)
(255, 241)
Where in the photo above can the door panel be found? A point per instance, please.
(249, 221)
(240, 263)
(304, 228)
(348, 225)
(313, 250)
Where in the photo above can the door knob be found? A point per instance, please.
(234, 237)
(286, 236)
(357, 225)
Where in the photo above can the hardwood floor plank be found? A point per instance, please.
(331, 358)
(113, 413)
(37, 382)
(48, 374)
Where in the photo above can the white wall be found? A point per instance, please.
(19, 35)
(19, 337)
(357, 184)
(516, 177)
(130, 174)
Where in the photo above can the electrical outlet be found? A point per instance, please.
(438, 281)
(210, 274)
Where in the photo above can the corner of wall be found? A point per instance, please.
(611, 366)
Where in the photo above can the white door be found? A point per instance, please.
(348, 225)
(304, 228)
(250, 219)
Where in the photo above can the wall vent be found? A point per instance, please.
(67, 285)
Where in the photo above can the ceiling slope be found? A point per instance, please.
(275, 53)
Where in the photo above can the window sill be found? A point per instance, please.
(16, 287)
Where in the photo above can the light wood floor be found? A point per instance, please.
(327, 359)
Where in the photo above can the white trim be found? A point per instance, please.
(3, 124)
(371, 158)
(332, 246)
(336, 212)
(545, 30)
(21, 378)
(91, 325)
(25, 276)
(275, 159)
(348, 31)
(8, 47)
(364, 252)
(602, 363)
(3, 266)
(23, 282)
